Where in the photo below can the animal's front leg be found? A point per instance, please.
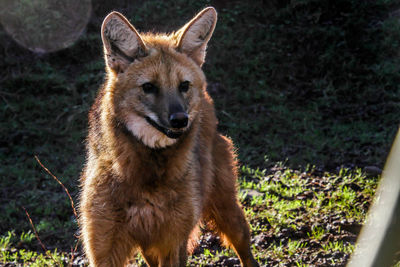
(230, 221)
(150, 259)
(171, 260)
(165, 256)
(183, 254)
(105, 240)
(223, 207)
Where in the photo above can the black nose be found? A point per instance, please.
(178, 119)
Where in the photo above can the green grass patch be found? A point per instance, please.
(299, 218)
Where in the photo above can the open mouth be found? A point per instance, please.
(168, 132)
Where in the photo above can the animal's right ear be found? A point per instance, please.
(122, 43)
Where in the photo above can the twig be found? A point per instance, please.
(71, 260)
(37, 235)
(34, 230)
(65, 189)
(72, 205)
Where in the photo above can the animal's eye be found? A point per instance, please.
(149, 88)
(184, 86)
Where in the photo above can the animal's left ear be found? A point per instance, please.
(122, 43)
(194, 36)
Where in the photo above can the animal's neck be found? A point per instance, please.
(136, 162)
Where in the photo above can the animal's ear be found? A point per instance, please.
(194, 36)
(122, 43)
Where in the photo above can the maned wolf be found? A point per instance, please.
(156, 166)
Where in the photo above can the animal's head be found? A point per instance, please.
(155, 80)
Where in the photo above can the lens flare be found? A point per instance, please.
(44, 26)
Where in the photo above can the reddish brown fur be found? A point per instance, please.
(138, 198)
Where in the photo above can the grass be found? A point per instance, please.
(297, 218)
(302, 217)
(13, 250)
(314, 84)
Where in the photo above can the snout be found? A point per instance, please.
(178, 120)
